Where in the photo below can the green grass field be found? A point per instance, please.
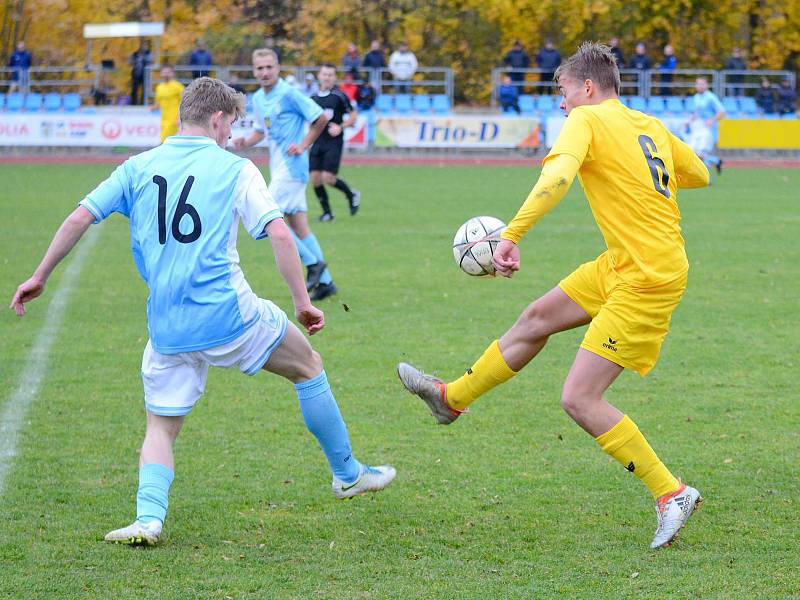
(513, 501)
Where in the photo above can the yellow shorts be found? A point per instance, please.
(628, 324)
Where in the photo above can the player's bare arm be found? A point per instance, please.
(288, 263)
(71, 230)
(317, 127)
(241, 143)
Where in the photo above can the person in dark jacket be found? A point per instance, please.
(509, 95)
(517, 58)
(200, 57)
(139, 61)
(765, 98)
(735, 62)
(548, 60)
(20, 61)
(613, 45)
(640, 60)
(787, 98)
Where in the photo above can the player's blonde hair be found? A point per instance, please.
(264, 52)
(205, 96)
(592, 61)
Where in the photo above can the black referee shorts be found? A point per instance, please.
(326, 155)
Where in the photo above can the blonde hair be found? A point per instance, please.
(205, 96)
(264, 52)
(592, 61)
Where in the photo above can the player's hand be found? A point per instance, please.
(506, 258)
(310, 317)
(295, 150)
(26, 292)
(334, 129)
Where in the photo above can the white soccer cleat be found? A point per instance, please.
(432, 390)
(136, 534)
(672, 512)
(372, 479)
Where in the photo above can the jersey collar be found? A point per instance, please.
(199, 140)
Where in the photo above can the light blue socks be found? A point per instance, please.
(307, 256)
(324, 421)
(312, 244)
(152, 497)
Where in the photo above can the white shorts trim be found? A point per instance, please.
(290, 196)
(173, 383)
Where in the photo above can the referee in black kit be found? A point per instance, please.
(326, 152)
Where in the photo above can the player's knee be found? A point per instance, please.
(310, 366)
(329, 178)
(571, 402)
(533, 323)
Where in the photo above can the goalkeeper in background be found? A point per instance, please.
(168, 99)
(630, 167)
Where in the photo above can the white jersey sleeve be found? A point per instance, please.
(253, 202)
(258, 120)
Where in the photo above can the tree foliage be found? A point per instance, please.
(471, 36)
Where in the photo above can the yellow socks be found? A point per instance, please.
(626, 444)
(489, 371)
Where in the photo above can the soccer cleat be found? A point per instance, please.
(355, 202)
(325, 217)
(136, 534)
(719, 167)
(432, 390)
(323, 291)
(315, 271)
(672, 512)
(371, 479)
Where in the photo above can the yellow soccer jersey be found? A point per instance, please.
(631, 169)
(168, 98)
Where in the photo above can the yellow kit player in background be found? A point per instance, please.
(168, 99)
(630, 167)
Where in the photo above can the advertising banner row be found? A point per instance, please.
(141, 129)
(137, 130)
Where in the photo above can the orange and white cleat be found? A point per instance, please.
(672, 512)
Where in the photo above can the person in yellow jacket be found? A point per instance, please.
(168, 99)
(630, 167)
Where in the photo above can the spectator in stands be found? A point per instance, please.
(200, 57)
(509, 95)
(234, 82)
(349, 88)
(517, 58)
(374, 59)
(735, 63)
(139, 61)
(402, 65)
(666, 69)
(613, 45)
(765, 98)
(640, 60)
(787, 98)
(548, 60)
(351, 61)
(310, 85)
(20, 61)
(269, 44)
(292, 81)
(366, 96)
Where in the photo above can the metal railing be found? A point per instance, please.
(430, 80)
(539, 81)
(738, 83)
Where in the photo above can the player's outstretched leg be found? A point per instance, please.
(314, 265)
(297, 361)
(324, 202)
(155, 478)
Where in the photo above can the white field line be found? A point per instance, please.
(16, 408)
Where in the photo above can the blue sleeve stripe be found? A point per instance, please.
(258, 233)
(92, 208)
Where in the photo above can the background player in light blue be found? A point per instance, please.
(283, 111)
(709, 109)
(185, 200)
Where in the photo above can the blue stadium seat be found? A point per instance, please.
(33, 102)
(402, 103)
(52, 102)
(789, 116)
(639, 103)
(748, 105)
(545, 104)
(72, 102)
(441, 104)
(421, 103)
(656, 105)
(384, 103)
(527, 105)
(767, 116)
(15, 102)
(675, 105)
(2, 101)
(731, 105)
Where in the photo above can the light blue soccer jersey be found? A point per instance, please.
(184, 200)
(707, 105)
(283, 114)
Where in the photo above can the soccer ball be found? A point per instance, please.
(474, 245)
